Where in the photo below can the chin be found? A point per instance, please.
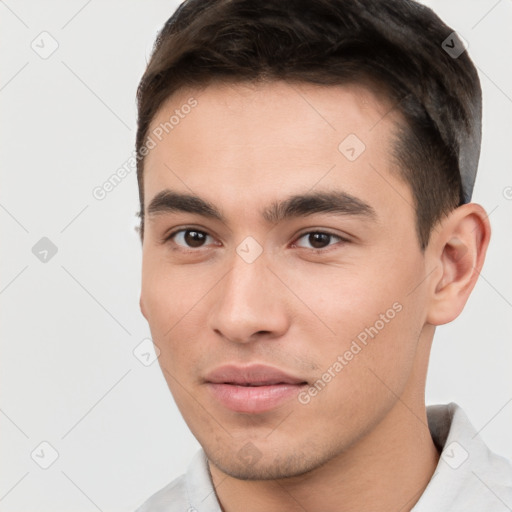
(248, 463)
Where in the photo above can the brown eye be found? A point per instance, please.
(189, 238)
(319, 239)
(194, 238)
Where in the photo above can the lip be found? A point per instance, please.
(252, 389)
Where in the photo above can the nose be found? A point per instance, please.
(249, 304)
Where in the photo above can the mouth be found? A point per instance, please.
(252, 384)
(252, 389)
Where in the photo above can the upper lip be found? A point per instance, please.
(255, 374)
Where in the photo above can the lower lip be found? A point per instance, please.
(253, 399)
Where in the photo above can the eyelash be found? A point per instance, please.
(170, 236)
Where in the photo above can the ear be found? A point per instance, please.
(457, 252)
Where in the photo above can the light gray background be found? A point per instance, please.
(69, 326)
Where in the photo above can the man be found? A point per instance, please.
(305, 176)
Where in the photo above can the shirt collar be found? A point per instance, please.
(468, 477)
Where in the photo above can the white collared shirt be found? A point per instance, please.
(468, 478)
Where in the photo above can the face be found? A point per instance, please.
(279, 320)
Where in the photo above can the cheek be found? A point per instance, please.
(364, 312)
(174, 300)
(170, 293)
(348, 298)
(369, 359)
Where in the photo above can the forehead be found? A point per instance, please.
(274, 106)
(249, 141)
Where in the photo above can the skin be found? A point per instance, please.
(362, 443)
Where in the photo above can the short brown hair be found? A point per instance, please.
(395, 43)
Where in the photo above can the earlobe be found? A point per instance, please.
(459, 248)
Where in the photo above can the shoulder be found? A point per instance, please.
(191, 492)
(171, 498)
(469, 476)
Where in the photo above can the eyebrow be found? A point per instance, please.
(299, 205)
